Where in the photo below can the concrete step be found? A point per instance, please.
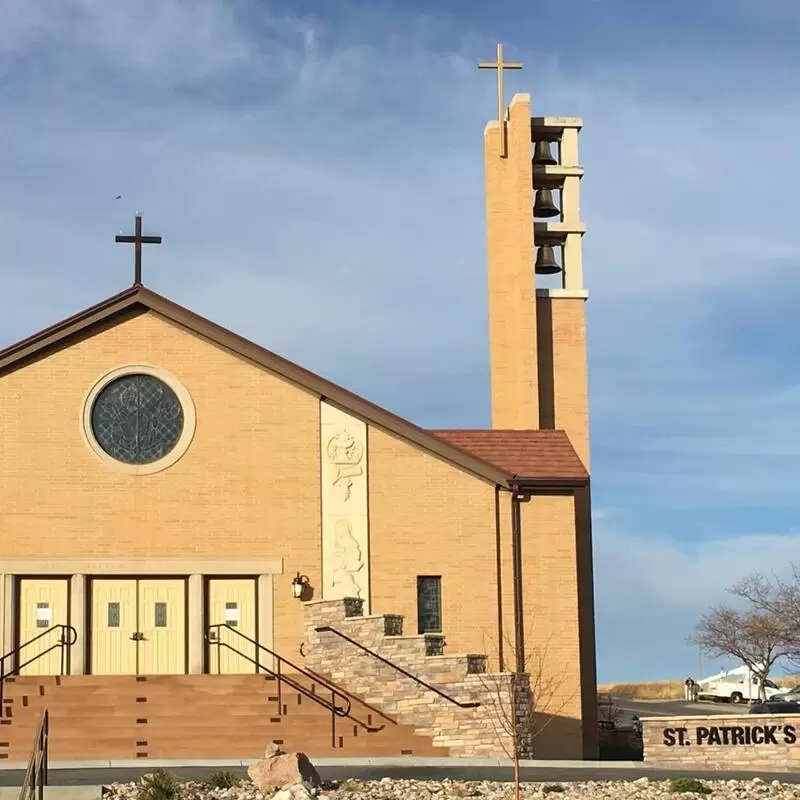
(191, 716)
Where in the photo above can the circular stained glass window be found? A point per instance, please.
(137, 419)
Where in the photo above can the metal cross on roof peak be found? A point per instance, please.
(137, 240)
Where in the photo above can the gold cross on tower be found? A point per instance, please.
(500, 65)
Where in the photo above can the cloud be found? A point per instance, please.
(318, 182)
(654, 590)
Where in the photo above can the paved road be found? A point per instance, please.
(97, 777)
(672, 708)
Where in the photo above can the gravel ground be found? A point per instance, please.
(389, 789)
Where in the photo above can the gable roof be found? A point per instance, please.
(538, 452)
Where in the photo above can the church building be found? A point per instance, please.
(183, 509)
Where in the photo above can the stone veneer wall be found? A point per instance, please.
(476, 732)
(735, 742)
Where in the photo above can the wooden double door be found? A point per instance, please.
(138, 626)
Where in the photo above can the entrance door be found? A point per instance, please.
(114, 622)
(232, 602)
(138, 626)
(162, 625)
(43, 604)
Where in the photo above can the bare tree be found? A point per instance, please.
(522, 706)
(780, 601)
(755, 637)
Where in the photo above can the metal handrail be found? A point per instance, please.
(36, 774)
(212, 638)
(329, 629)
(374, 709)
(68, 637)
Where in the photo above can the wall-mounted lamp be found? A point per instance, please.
(299, 584)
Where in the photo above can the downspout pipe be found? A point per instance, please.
(517, 498)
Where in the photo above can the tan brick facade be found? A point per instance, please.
(286, 474)
(224, 498)
(537, 339)
(728, 742)
(563, 386)
(257, 434)
(427, 519)
(512, 290)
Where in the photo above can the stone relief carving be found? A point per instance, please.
(345, 453)
(347, 560)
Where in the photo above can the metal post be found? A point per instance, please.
(516, 565)
(280, 694)
(333, 719)
(45, 752)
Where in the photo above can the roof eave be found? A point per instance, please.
(53, 334)
(554, 485)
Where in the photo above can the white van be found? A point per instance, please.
(738, 685)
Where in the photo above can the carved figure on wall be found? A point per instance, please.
(347, 560)
(345, 453)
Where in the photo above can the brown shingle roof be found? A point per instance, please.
(473, 451)
(528, 454)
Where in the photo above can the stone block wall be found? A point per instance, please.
(478, 732)
(735, 742)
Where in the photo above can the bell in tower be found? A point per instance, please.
(542, 155)
(546, 263)
(543, 205)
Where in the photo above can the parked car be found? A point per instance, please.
(775, 707)
(792, 694)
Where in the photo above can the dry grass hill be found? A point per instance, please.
(666, 690)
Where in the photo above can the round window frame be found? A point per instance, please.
(181, 446)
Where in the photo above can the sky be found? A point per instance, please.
(316, 173)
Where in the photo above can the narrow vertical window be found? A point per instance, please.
(113, 615)
(161, 615)
(429, 604)
(43, 615)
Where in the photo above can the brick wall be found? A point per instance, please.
(563, 371)
(736, 741)
(563, 675)
(480, 732)
(428, 518)
(512, 287)
(232, 495)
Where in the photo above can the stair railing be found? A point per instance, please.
(378, 657)
(36, 774)
(213, 638)
(67, 638)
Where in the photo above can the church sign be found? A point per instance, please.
(740, 742)
(730, 734)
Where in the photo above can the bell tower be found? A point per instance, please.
(537, 322)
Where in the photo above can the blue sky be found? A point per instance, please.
(317, 178)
